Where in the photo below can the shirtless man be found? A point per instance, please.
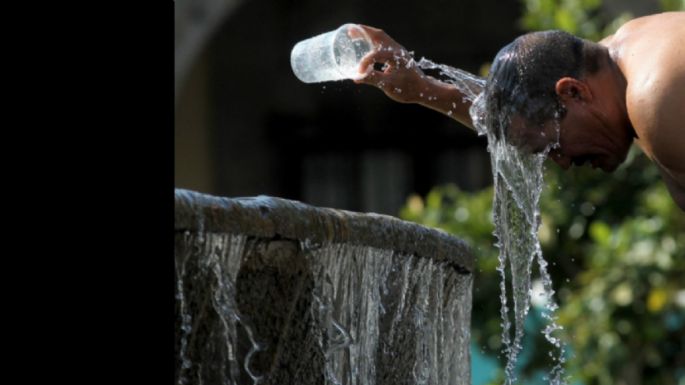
(595, 99)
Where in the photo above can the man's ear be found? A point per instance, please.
(571, 89)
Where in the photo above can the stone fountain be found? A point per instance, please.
(273, 291)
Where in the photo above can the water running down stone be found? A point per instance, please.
(271, 291)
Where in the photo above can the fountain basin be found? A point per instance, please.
(274, 291)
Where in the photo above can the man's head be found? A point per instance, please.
(542, 89)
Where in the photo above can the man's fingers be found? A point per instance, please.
(371, 31)
(367, 62)
(378, 79)
(378, 36)
(387, 57)
(355, 33)
(372, 78)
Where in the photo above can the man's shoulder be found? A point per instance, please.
(659, 122)
(649, 43)
(655, 107)
(656, 89)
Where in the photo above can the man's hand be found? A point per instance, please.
(392, 68)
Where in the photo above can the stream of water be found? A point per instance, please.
(518, 182)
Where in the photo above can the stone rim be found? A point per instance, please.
(270, 217)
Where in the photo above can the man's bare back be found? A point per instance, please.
(650, 51)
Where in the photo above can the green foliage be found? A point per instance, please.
(624, 311)
(621, 246)
(672, 5)
(616, 247)
(582, 18)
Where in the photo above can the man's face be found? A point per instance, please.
(582, 138)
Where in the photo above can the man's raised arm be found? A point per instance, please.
(391, 68)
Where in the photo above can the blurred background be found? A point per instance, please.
(245, 126)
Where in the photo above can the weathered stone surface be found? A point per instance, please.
(269, 217)
(254, 296)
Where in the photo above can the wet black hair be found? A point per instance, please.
(524, 73)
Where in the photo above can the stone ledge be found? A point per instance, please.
(269, 217)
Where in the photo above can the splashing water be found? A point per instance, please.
(402, 317)
(469, 84)
(217, 272)
(518, 182)
(361, 315)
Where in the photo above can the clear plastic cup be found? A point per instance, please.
(333, 55)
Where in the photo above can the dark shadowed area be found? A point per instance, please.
(246, 126)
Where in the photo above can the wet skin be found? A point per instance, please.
(594, 129)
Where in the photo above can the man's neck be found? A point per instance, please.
(612, 85)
